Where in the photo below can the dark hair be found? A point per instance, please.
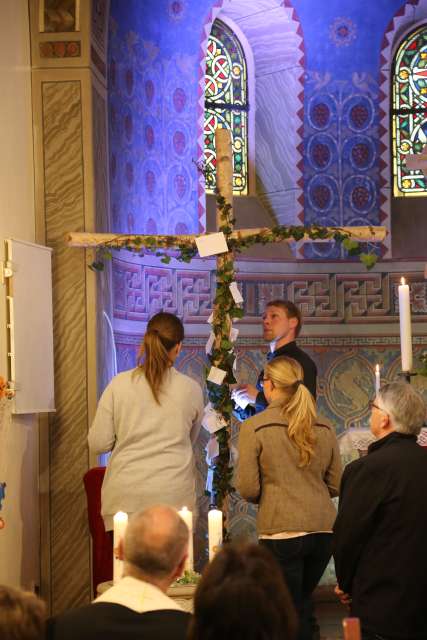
(243, 596)
(164, 331)
(22, 615)
(291, 311)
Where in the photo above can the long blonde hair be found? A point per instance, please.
(164, 332)
(297, 404)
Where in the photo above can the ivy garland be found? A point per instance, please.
(226, 310)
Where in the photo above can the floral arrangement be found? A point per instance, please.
(423, 359)
(188, 577)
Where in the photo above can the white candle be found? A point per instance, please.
(377, 378)
(120, 521)
(405, 326)
(214, 531)
(187, 516)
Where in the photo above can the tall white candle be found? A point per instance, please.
(120, 522)
(405, 326)
(377, 378)
(187, 516)
(214, 531)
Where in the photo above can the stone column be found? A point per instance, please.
(69, 114)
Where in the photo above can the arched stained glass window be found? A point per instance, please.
(409, 112)
(226, 103)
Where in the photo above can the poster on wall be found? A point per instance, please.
(29, 326)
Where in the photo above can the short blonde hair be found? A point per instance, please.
(298, 406)
(22, 615)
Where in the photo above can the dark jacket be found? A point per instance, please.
(291, 350)
(103, 620)
(380, 536)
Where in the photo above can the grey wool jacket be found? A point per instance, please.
(290, 497)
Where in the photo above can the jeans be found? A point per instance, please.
(303, 561)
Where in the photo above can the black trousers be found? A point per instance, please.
(303, 561)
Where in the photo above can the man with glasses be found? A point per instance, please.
(281, 322)
(381, 528)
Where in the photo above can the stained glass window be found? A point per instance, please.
(226, 103)
(409, 112)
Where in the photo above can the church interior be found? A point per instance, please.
(108, 110)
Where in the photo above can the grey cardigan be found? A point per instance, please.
(290, 498)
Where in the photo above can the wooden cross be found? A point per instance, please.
(417, 161)
(221, 318)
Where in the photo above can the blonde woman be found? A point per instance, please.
(290, 466)
(149, 418)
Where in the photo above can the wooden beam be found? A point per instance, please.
(86, 240)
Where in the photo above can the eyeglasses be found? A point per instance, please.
(372, 405)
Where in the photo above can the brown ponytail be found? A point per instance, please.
(164, 332)
(298, 405)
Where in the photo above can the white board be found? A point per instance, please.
(30, 326)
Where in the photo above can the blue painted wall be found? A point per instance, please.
(154, 55)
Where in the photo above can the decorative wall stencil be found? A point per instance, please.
(331, 298)
(341, 166)
(61, 15)
(342, 32)
(57, 49)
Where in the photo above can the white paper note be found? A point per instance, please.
(237, 296)
(211, 244)
(212, 449)
(233, 334)
(241, 402)
(210, 343)
(216, 375)
(212, 421)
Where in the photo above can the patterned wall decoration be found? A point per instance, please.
(61, 15)
(153, 128)
(326, 299)
(157, 65)
(60, 49)
(341, 176)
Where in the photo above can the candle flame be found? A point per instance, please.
(402, 281)
(120, 516)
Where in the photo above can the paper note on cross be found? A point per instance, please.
(417, 161)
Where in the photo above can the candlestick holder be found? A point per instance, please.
(407, 375)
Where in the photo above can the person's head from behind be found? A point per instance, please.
(281, 321)
(397, 407)
(283, 384)
(155, 545)
(242, 596)
(22, 615)
(159, 349)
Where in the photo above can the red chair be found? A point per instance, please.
(102, 542)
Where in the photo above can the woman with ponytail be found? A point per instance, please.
(290, 466)
(149, 417)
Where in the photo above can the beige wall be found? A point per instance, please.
(19, 540)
